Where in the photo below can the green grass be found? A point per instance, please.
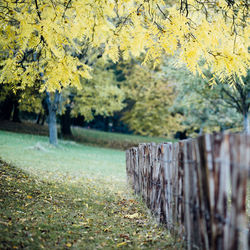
(69, 158)
(70, 196)
(37, 214)
(112, 140)
(86, 136)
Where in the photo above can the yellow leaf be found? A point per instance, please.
(132, 216)
(68, 245)
(108, 229)
(29, 197)
(121, 244)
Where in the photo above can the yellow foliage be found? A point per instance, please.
(214, 31)
(152, 96)
(55, 31)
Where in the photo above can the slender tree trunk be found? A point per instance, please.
(52, 127)
(201, 130)
(7, 108)
(16, 112)
(43, 120)
(66, 121)
(52, 108)
(246, 125)
(38, 118)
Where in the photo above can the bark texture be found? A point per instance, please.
(53, 108)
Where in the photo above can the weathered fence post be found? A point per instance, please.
(191, 216)
(197, 187)
(238, 232)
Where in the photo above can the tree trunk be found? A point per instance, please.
(246, 125)
(43, 120)
(201, 131)
(52, 108)
(16, 112)
(52, 127)
(38, 118)
(7, 108)
(66, 121)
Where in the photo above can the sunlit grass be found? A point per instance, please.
(85, 136)
(34, 153)
(112, 140)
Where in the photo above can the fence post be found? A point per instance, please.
(175, 187)
(238, 232)
(191, 196)
(197, 187)
(180, 160)
(203, 194)
(166, 165)
(128, 166)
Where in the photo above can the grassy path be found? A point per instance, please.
(72, 196)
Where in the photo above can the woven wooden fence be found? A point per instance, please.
(197, 187)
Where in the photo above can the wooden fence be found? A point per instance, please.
(197, 187)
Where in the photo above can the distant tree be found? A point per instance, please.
(150, 98)
(100, 95)
(206, 106)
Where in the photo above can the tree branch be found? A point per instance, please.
(37, 10)
(237, 103)
(67, 6)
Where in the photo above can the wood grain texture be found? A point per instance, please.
(196, 187)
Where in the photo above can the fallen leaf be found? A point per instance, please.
(121, 244)
(132, 216)
(108, 229)
(125, 236)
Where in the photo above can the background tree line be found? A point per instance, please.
(50, 53)
(130, 98)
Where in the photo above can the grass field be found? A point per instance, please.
(112, 140)
(69, 158)
(70, 197)
(86, 136)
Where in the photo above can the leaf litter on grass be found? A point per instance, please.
(77, 214)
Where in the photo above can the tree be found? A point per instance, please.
(237, 97)
(100, 95)
(150, 97)
(214, 31)
(40, 40)
(13, 102)
(208, 107)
